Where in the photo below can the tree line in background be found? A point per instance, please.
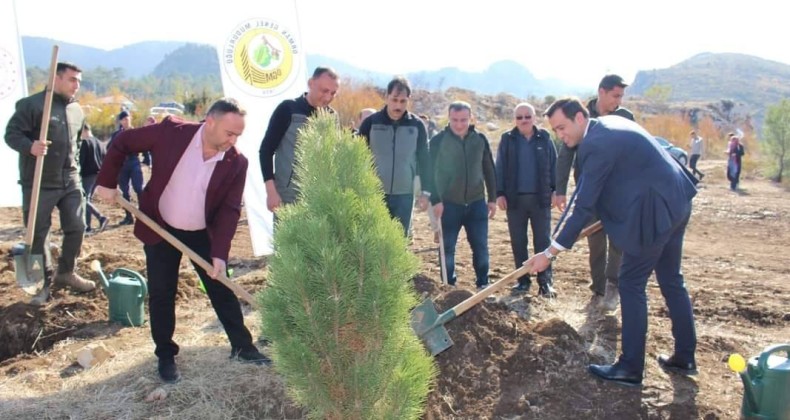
(105, 90)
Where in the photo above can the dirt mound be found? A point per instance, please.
(501, 365)
(27, 329)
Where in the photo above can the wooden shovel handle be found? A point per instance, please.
(238, 290)
(43, 133)
(436, 226)
(589, 230)
(523, 270)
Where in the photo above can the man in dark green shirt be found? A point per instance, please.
(464, 189)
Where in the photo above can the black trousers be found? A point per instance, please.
(162, 262)
(527, 212)
(693, 166)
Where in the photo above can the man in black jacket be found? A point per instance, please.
(604, 266)
(525, 172)
(91, 156)
(280, 138)
(60, 177)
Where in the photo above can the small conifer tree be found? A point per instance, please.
(337, 304)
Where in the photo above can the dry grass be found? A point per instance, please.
(212, 386)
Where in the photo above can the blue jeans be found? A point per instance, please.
(400, 207)
(474, 219)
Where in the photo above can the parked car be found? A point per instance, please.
(673, 150)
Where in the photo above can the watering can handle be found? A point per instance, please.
(762, 362)
(135, 275)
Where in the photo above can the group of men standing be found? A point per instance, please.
(640, 194)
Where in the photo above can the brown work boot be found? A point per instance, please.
(75, 282)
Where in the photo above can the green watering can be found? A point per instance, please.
(766, 383)
(126, 291)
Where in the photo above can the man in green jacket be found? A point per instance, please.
(464, 189)
(60, 181)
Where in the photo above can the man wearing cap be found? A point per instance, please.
(131, 171)
(604, 266)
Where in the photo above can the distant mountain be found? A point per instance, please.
(715, 77)
(503, 76)
(750, 80)
(196, 60)
(347, 70)
(137, 60)
(163, 58)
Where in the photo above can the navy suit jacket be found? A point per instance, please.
(167, 142)
(637, 189)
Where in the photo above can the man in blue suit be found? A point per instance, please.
(643, 197)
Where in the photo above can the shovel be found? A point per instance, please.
(29, 267)
(428, 324)
(238, 290)
(436, 226)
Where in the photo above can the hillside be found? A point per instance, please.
(198, 60)
(733, 89)
(137, 60)
(713, 77)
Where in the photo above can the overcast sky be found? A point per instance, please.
(572, 40)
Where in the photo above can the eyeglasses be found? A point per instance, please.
(523, 117)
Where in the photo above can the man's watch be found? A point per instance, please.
(549, 255)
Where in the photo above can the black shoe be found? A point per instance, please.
(168, 371)
(616, 374)
(126, 221)
(547, 291)
(251, 355)
(672, 364)
(520, 288)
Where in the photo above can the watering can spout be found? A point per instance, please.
(96, 266)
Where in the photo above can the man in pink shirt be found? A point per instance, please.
(195, 193)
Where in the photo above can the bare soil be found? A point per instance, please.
(514, 357)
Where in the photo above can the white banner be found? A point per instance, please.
(13, 86)
(262, 63)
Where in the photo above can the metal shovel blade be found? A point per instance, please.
(29, 269)
(429, 328)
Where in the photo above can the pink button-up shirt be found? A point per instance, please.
(183, 202)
